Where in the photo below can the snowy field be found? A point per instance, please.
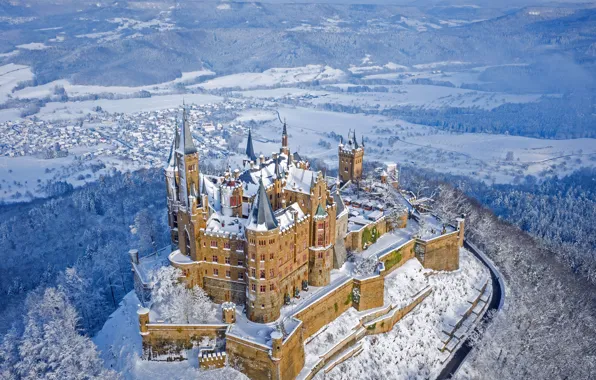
(480, 155)
(415, 95)
(274, 77)
(10, 76)
(75, 110)
(47, 89)
(22, 178)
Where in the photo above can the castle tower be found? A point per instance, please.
(351, 156)
(262, 234)
(285, 149)
(171, 173)
(250, 151)
(187, 160)
(231, 197)
(322, 237)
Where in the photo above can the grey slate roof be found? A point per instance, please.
(250, 151)
(175, 142)
(261, 216)
(186, 145)
(339, 202)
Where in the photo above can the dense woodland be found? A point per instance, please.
(78, 242)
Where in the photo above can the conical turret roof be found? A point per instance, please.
(172, 156)
(250, 151)
(185, 144)
(261, 216)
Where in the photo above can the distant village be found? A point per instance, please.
(142, 137)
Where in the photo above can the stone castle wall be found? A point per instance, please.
(249, 358)
(398, 257)
(441, 253)
(353, 240)
(326, 310)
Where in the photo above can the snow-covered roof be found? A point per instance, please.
(300, 180)
(219, 223)
(286, 216)
(250, 177)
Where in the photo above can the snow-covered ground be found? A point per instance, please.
(10, 76)
(120, 346)
(47, 89)
(410, 349)
(481, 155)
(276, 76)
(415, 95)
(74, 110)
(22, 178)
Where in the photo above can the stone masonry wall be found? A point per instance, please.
(441, 253)
(398, 257)
(371, 293)
(326, 310)
(251, 359)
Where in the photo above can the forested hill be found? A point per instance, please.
(88, 230)
(560, 211)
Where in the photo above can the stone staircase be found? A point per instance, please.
(455, 332)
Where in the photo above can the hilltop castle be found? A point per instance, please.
(269, 243)
(258, 236)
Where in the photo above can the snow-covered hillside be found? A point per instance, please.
(411, 349)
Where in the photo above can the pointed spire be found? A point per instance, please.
(261, 216)
(355, 140)
(277, 167)
(341, 140)
(250, 151)
(204, 187)
(320, 211)
(175, 142)
(362, 141)
(285, 130)
(185, 143)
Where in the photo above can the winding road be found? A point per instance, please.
(496, 303)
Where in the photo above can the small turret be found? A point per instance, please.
(276, 344)
(284, 140)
